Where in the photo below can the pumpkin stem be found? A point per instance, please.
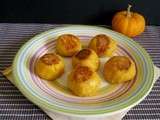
(129, 10)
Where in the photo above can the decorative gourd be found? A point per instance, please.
(128, 23)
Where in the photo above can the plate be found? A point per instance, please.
(55, 96)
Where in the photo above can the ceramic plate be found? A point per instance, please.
(55, 95)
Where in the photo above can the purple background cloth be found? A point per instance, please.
(14, 106)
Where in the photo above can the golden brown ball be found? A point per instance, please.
(83, 81)
(68, 45)
(86, 57)
(50, 66)
(119, 69)
(103, 45)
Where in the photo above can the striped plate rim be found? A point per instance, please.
(124, 105)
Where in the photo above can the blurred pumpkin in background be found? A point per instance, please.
(129, 23)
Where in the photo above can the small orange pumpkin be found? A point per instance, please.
(128, 23)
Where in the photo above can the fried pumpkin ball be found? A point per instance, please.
(50, 66)
(68, 45)
(119, 69)
(86, 57)
(83, 81)
(103, 45)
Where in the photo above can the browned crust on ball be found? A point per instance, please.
(69, 41)
(124, 64)
(120, 62)
(102, 42)
(50, 58)
(82, 73)
(83, 54)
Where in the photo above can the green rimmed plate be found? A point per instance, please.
(55, 96)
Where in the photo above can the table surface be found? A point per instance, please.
(13, 105)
